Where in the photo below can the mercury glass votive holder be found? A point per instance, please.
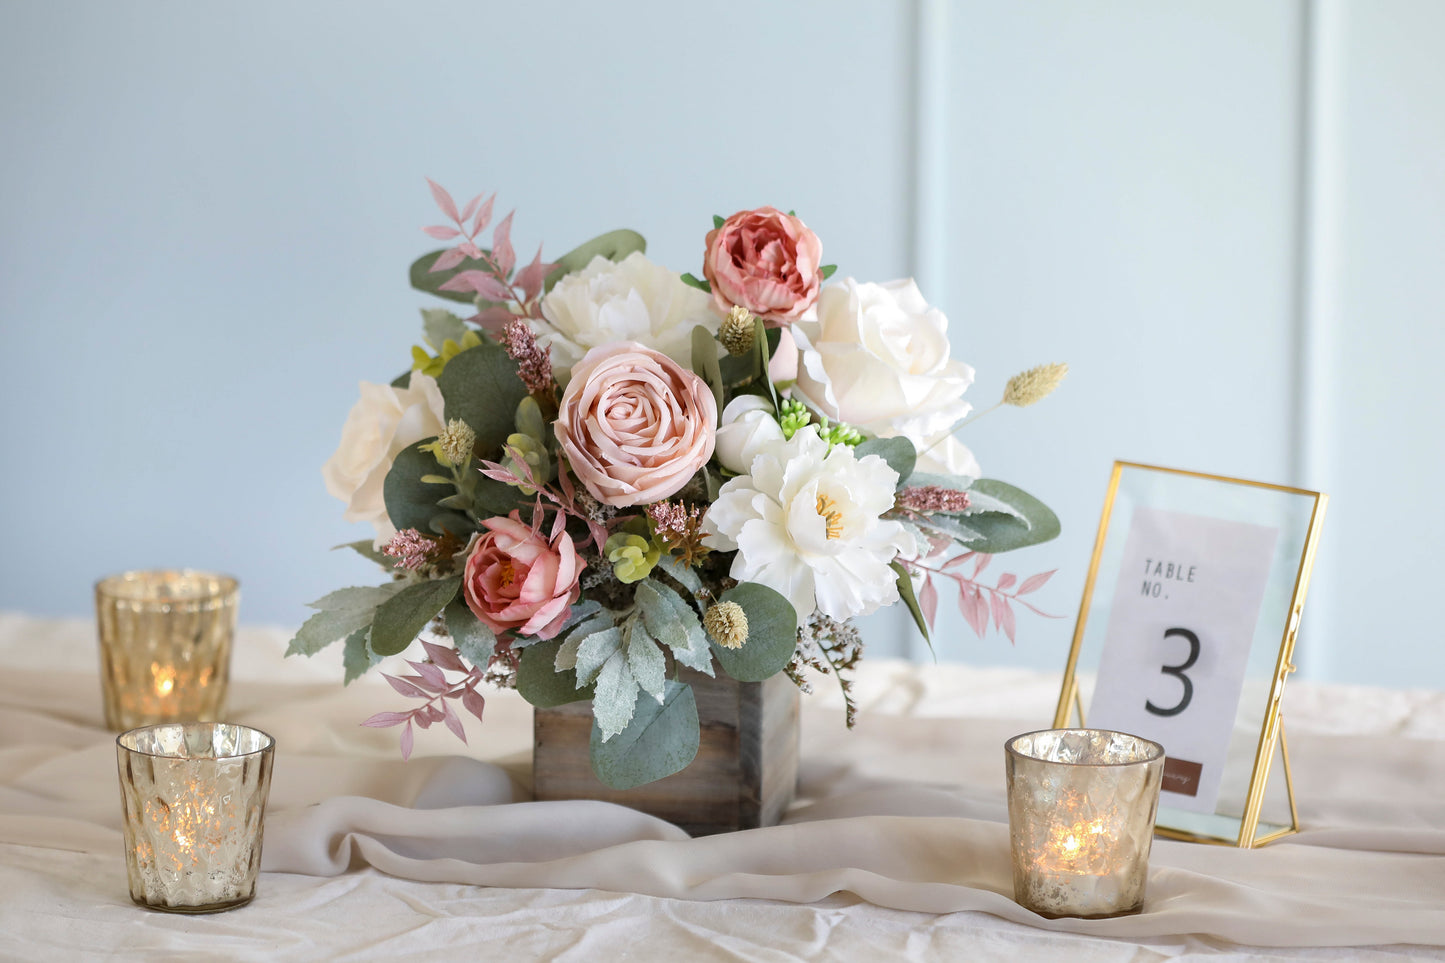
(1081, 807)
(194, 800)
(165, 645)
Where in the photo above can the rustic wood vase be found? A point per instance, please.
(744, 776)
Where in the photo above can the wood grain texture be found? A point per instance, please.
(744, 776)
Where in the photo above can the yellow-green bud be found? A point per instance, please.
(1033, 385)
(736, 331)
(632, 556)
(727, 623)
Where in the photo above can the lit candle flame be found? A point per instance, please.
(165, 677)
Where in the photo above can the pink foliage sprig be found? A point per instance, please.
(976, 601)
(562, 502)
(493, 280)
(430, 683)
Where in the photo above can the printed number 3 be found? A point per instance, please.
(1178, 672)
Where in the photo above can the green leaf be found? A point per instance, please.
(828, 270)
(615, 699)
(957, 483)
(367, 549)
(660, 739)
(951, 525)
(423, 279)
(411, 502)
(441, 326)
(674, 623)
(704, 362)
(358, 658)
(474, 641)
(681, 572)
(541, 684)
(645, 659)
(614, 245)
(399, 620)
(481, 387)
(341, 613)
(358, 597)
(696, 282)
(905, 592)
(594, 652)
(772, 634)
(898, 452)
(1032, 523)
(326, 627)
(718, 221)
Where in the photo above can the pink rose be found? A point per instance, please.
(634, 424)
(765, 261)
(516, 579)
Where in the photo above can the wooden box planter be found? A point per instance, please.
(744, 776)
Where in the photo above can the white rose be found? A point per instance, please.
(877, 357)
(748, 423)
(632, 300)
(384, 422)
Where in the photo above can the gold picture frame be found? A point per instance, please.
(1216, 518)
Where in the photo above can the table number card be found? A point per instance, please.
(1186, 636)
(1178, 641)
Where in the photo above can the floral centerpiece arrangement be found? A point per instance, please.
(607, 471)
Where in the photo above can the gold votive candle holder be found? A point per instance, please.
(1081, 807)
(194, 801)
(165, 645)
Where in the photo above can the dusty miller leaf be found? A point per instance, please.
(645, 659)
(660, 739)
(615, 698)
(595, 650)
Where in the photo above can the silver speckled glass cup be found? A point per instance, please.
(1081, 807)
(194, 801)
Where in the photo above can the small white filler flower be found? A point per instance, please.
(805, 522)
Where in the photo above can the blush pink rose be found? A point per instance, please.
(765, 261)
(516, 579)
(634, 424)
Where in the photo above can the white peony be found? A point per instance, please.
(384, 422)
(747, 424)
(805, 522)
(877, 356)
(631, 300)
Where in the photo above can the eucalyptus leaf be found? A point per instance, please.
(399, 620)
(543, 685)
(492, 498)
(956, 483)
(441, 326)
(979, 501)
(410, 501)
(614, 246)
(615, 698)
(474, 641)
(358, 658)
(481, 387)
(772, 634)
(910, 599)
(696, 282)
(1032, 522)
(898, 452)
(660, 739)
(423, 279)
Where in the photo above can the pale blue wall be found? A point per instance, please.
(206, 213)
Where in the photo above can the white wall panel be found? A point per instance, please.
(1121, 197)
(1381, 304)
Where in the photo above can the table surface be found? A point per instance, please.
(1369, 770)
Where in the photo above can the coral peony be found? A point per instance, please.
(765, 261)
(516, 579)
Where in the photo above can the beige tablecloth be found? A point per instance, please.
(898, 845)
